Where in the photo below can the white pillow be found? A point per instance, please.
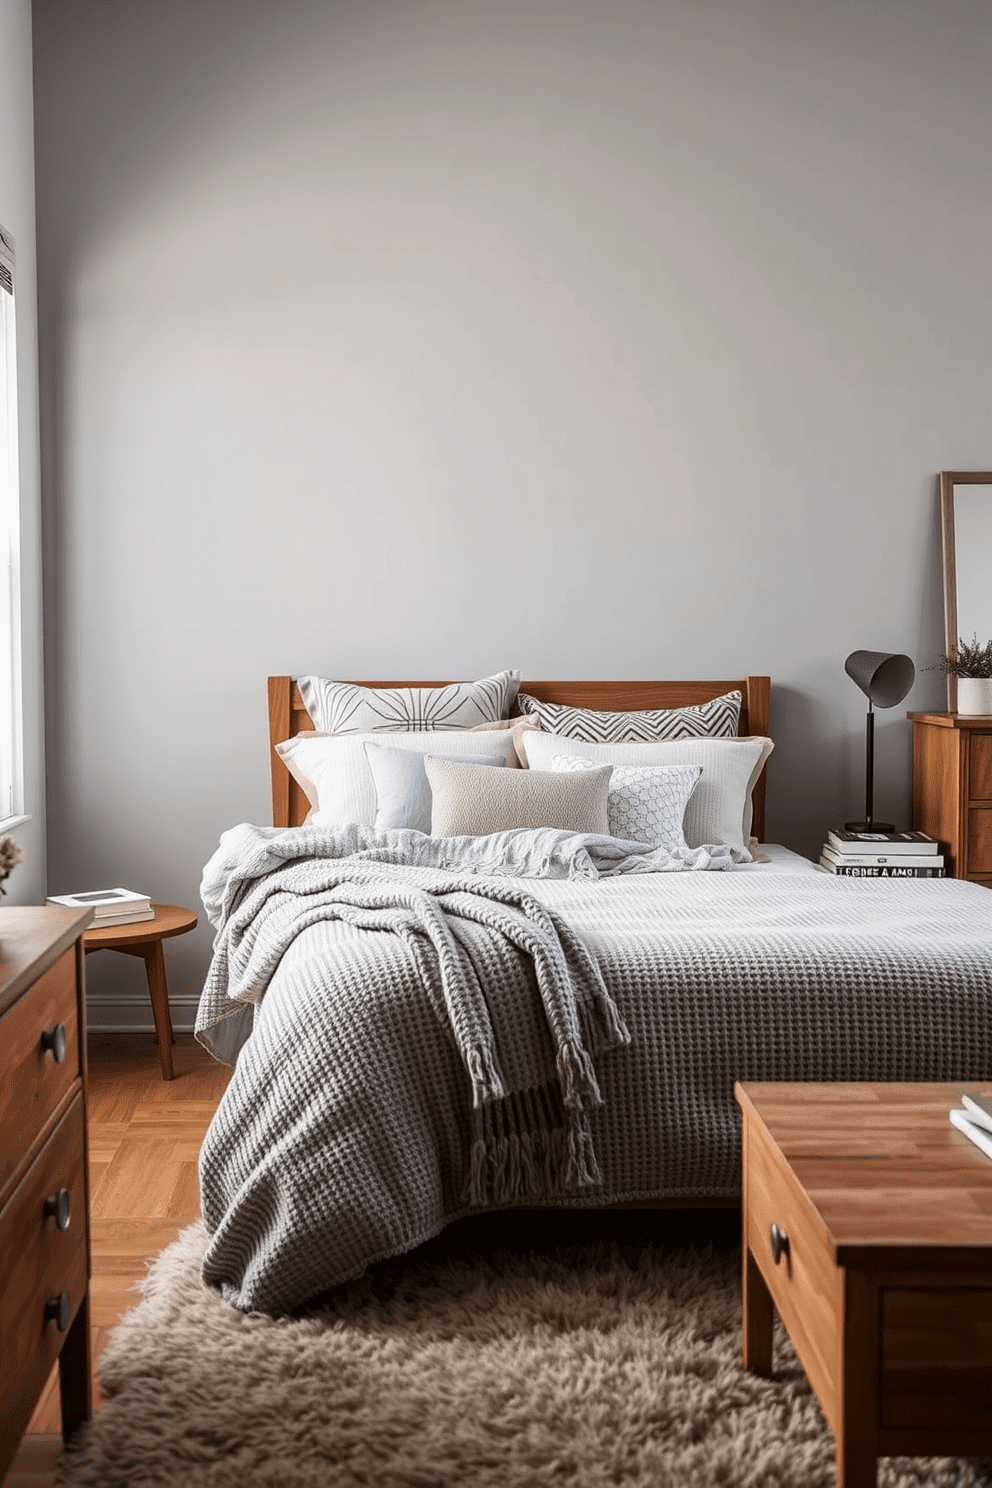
(472, 802)
(719, 810)
(348, 708)
(646, 802)
(402, 790)
(334, 773)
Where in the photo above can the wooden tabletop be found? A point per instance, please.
(32, 938)
(881, 1163)
(170, 919)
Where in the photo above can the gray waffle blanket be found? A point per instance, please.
(349, 1130)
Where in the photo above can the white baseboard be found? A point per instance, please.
(134, 1015)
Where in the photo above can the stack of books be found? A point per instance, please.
(974, 1118)
(110, 906)
(882, 854)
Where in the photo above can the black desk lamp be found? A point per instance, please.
(885, 680)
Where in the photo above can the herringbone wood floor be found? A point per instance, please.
(144, 1135)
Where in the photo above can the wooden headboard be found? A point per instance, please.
(288, 716)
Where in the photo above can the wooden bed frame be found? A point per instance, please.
(288, 716)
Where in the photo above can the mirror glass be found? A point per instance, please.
(966, 535)
(973, 560)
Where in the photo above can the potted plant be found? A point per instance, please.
(10, 856)
(971, 663)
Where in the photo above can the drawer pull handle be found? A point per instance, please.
(57, 1311)
(53, 1042)
(779, 1243)
(57, 1208)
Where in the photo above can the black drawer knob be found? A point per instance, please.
(53, 1042)
(57, 1208)
(779, 1243)
(57, 1311)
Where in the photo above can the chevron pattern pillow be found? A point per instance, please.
(713, 720)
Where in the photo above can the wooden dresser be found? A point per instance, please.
(44, 1211)
(952, 789)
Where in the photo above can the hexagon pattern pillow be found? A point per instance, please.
(646, 803)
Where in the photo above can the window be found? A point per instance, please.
(11, 802)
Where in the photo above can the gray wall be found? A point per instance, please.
(17, 212)
(598, 339)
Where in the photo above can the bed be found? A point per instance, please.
(356, 1124)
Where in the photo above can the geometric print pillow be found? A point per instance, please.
(646, 803)
(713, 720)
(347, 708)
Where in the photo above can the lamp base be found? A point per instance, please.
(872, 826)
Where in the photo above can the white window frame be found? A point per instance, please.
(11, 714)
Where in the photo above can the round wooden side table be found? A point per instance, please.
(144, 938)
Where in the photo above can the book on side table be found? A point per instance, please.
(881, 854)
(974, 1118)
(109, 906)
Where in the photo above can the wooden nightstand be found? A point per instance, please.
(952, 789)
(144, 938)
(865, 1225)
(44, 1208)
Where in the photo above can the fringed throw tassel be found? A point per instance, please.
(521, 1151)
(601, 1024)
(578, 1078)
(487, 1082)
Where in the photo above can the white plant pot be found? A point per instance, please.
(975, 695)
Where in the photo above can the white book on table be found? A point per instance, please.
(880, 859)
(981, 1137)
(126, 917)
(105, 903)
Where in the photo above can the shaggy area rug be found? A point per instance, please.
(567, 1367)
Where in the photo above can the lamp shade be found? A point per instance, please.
(883, 678)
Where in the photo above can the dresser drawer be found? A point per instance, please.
(34, 1082)
(804, 1282)
(39, 1261)
(980, 840)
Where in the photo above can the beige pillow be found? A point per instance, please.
(517, 728)
(472, 800)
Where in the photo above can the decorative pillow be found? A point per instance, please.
(646, 802)
(516, 727)
(347, 708)
(713, 720)
(336, 778)
(402, 791)
(472, 802)
(719, 810)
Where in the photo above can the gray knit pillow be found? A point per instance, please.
(472, 801)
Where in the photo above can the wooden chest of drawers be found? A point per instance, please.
(44, 1220)
(866, 1225)
(952, 789)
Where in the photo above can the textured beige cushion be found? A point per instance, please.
(517, 727)
(472, 801)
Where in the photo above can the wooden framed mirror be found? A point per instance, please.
(966, 543)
